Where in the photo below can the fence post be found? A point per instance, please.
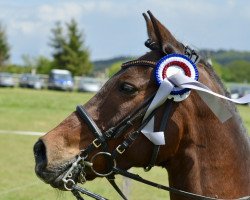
(126, 186)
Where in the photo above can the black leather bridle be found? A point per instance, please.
(101, 142)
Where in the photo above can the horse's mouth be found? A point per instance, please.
(54, 176)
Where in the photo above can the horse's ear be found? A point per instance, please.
(152, 42)
(162, 36)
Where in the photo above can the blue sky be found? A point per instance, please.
(116, 27)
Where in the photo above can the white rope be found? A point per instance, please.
(18, 188)
(21, 132)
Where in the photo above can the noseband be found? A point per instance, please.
(101, 142)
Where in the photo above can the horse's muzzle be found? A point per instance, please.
(41, 162)
(47, 176)
(52, 176)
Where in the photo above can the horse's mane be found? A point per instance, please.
(209, 68)
(231, 106)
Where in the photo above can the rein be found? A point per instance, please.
(101, 142)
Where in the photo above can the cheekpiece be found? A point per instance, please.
(172, 64)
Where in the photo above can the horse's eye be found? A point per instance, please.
(127, 88)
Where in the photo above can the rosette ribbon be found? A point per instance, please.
(180, 80)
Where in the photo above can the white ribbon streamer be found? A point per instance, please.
(207, 95)
(156, 137)
(160, 97)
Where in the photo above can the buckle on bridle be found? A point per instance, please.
(96, 144)
(120, 151)
(191, 54)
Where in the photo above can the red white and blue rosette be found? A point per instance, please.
(172, 64)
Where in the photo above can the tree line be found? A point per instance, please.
(68, 52)
(231, 65)
(233, 71)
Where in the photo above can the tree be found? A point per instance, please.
(43, 65)
(114, 68)
(217, 68)
(4, 47)
(237, 71)
(57, 42)
(17, 69)
(29, 62)
(40, 64)
(69, 50)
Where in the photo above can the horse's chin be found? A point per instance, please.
(54, 175)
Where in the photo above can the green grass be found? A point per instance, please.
(31, 110)
(23, 109)
(244, 113)
(18, 180)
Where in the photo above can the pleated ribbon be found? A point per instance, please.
(211, 98)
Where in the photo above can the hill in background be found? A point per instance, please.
(222, 57)
(225, 57)
(101, 65)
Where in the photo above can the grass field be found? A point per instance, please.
(23, 109)
(18, 181)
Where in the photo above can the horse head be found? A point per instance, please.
(118, 110)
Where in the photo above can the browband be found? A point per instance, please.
(190, 53)
(139, 63)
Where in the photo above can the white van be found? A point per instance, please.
(60, 79)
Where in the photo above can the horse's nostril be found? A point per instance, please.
(40, 154)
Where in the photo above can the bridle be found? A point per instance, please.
(101, 142)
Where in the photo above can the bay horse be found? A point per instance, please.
(203, 157)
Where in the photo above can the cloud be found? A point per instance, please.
(115, 27)
(62, 12)
(28, 27)
(22, 27)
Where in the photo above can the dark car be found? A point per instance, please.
(31, 81)
(6, 80)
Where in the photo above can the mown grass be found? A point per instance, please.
(19, 182)
(23, 109)
(245, 114)
(31, 110)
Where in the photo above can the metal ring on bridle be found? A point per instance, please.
(66, 184)
(111, 168)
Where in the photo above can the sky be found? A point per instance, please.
(116, 27)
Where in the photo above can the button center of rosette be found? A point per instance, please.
(172, 64)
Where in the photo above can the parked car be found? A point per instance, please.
(239, 90)
(6, 80)
(60, 80)
(31, 81)
(87, 84)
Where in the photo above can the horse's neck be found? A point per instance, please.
(212, 160)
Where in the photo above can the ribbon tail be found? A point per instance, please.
(208, 96)
(216, 106)
(156, 138)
